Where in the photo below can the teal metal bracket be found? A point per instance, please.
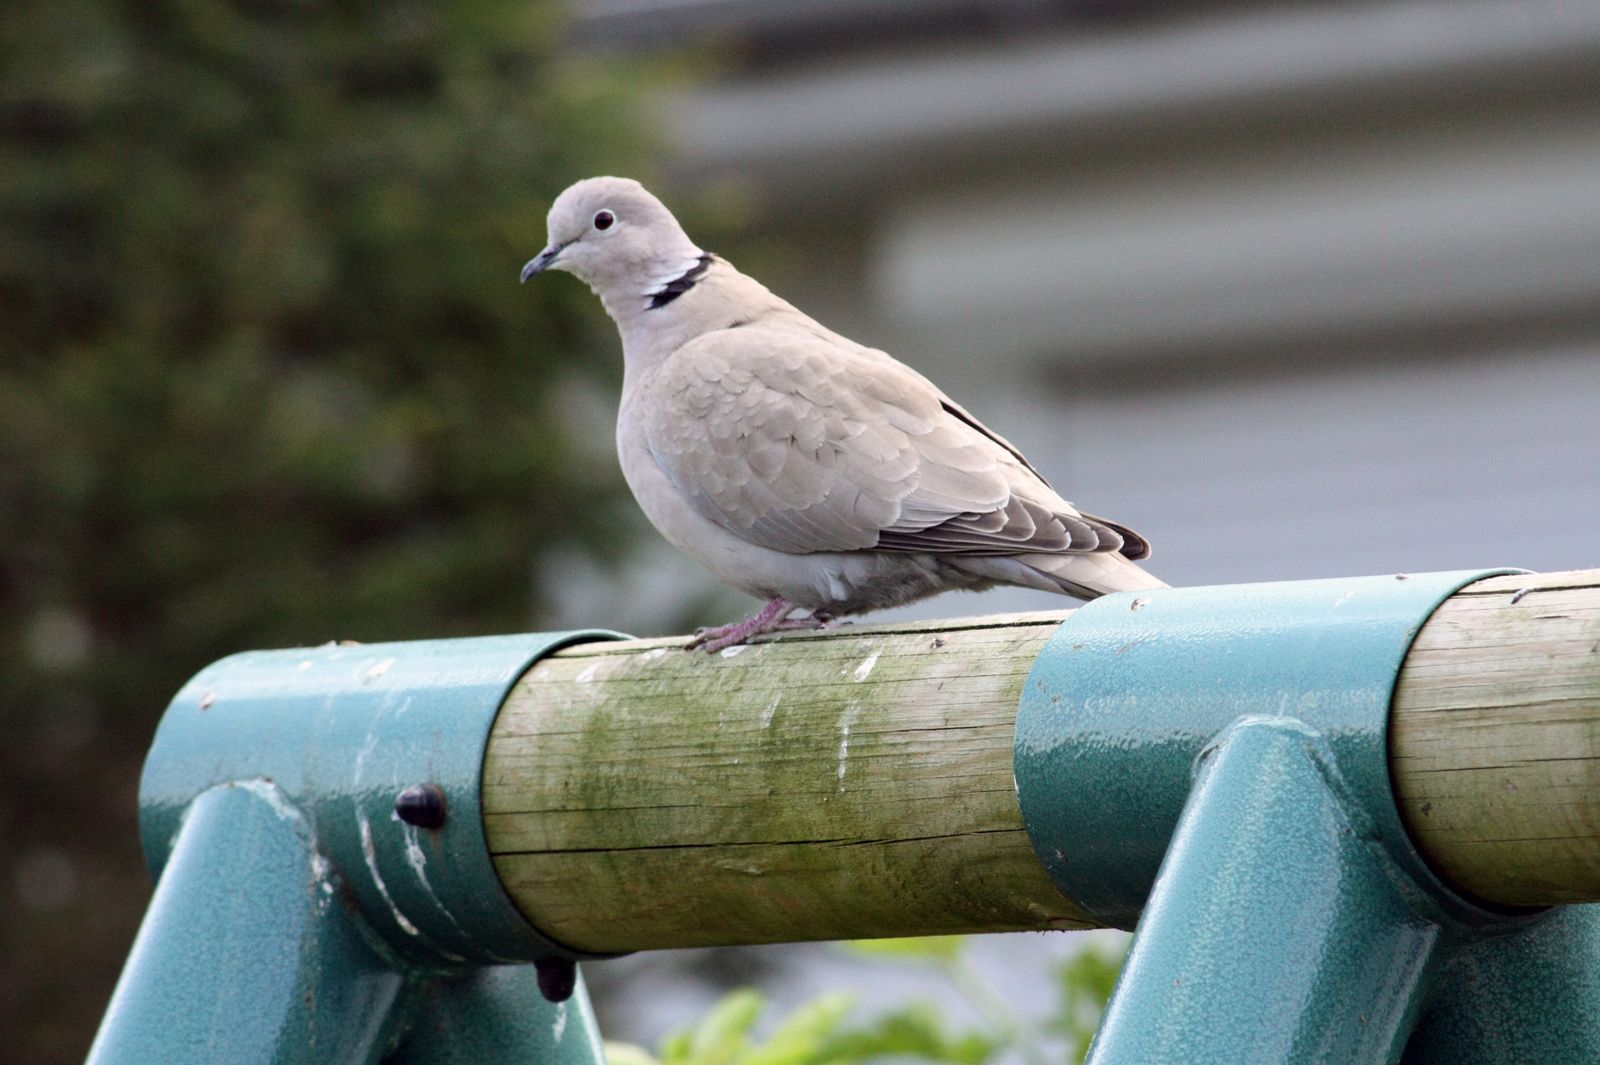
(1212, 763)
(324, 890)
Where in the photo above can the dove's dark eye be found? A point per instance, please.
(603, 219)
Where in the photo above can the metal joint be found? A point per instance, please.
(314, 822)
(1211, 764)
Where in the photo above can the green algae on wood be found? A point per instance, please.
(858, 783)
(849, 784)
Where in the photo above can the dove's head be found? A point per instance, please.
(613, 234)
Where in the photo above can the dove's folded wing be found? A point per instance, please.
(802, 443)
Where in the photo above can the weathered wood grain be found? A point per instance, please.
(1494, 741)
(859, 783)
(636, 796)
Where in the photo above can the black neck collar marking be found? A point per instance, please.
(680, 284)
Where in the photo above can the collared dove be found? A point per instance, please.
(795, 464)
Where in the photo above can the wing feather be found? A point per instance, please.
(802, 442)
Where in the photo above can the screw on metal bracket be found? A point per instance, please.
(557, 978)
(421, 805)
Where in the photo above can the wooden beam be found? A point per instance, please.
(1494, 739)
(859, 782)
(845, 784)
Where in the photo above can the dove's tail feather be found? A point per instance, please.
(1081, 575)
(1090, 576)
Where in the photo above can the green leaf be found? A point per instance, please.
(802, 1036)
(913, 1031)
(628, 1054)
(819, 1033)
(1086, 980)
(723, 1036)
(930, 948)
(677, 1046)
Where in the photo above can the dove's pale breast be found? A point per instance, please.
(845, 581)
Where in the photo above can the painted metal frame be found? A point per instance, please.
(308, 907)
(1210, 767)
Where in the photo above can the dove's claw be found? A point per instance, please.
(717, 639)
(771, 619)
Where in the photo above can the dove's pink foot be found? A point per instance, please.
(773, 618)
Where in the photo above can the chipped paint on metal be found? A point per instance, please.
(274, 823)
(370, 853)
(276, 800)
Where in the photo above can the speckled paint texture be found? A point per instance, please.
(1211, 763)
(296, 917)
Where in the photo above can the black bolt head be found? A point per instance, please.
(557, 978)
(421, 805)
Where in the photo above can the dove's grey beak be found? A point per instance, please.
(541, 261)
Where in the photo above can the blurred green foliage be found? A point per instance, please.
(266, 378)
(1086, 981)
(821, 1032)
(826, 1030)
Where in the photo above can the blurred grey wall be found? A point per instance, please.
(1295, 289)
